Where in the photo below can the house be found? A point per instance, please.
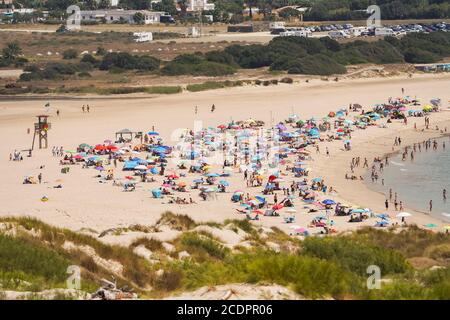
(200, 5)
(115, 16)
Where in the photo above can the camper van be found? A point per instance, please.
(340, 34)
(277, 27)
(384, 32)
(296, 33)
(143, 36)
(357, 31)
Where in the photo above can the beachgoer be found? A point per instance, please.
(386, 204)
(40, 178)
(431, 205)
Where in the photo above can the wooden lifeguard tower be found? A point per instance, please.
(41, 131)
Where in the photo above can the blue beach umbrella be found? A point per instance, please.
(224, 183)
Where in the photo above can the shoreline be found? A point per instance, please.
(413, 137)
(397, 153)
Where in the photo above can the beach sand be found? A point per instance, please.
(83, 203)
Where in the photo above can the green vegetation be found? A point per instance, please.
(294, 55)
(355, 255)
(211, 85)
(11, 55)
(36, 258)
(127, 61)
(390, 9)
(196, 65)
(70, 54)
(24, 260)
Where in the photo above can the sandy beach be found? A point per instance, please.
(83, 203)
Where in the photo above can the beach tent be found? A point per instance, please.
(157, 193)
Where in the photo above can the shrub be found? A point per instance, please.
(164, 90)
(70, 54)
(317, 64)
(355, 256)
(197, 68)
(414, 55)
(27, 258)
(198, 245)
(127, 61)
(209, 85)
(88, 58)
(287, 80)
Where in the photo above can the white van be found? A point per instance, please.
(339, 34)
(384, 32)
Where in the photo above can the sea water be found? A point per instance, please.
(420, 180)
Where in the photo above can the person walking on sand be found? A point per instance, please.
(88, 108)
(386, 204)
(57, 113)
(403, 91)
(40, 178)
(82, 108)
(196, 109)
(213, 108)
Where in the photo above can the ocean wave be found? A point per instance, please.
(397, 164)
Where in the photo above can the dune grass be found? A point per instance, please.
(331, 267)
(212, 85)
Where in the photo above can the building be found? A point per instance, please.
(200, 5)
(434, 67)
(115, 16)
